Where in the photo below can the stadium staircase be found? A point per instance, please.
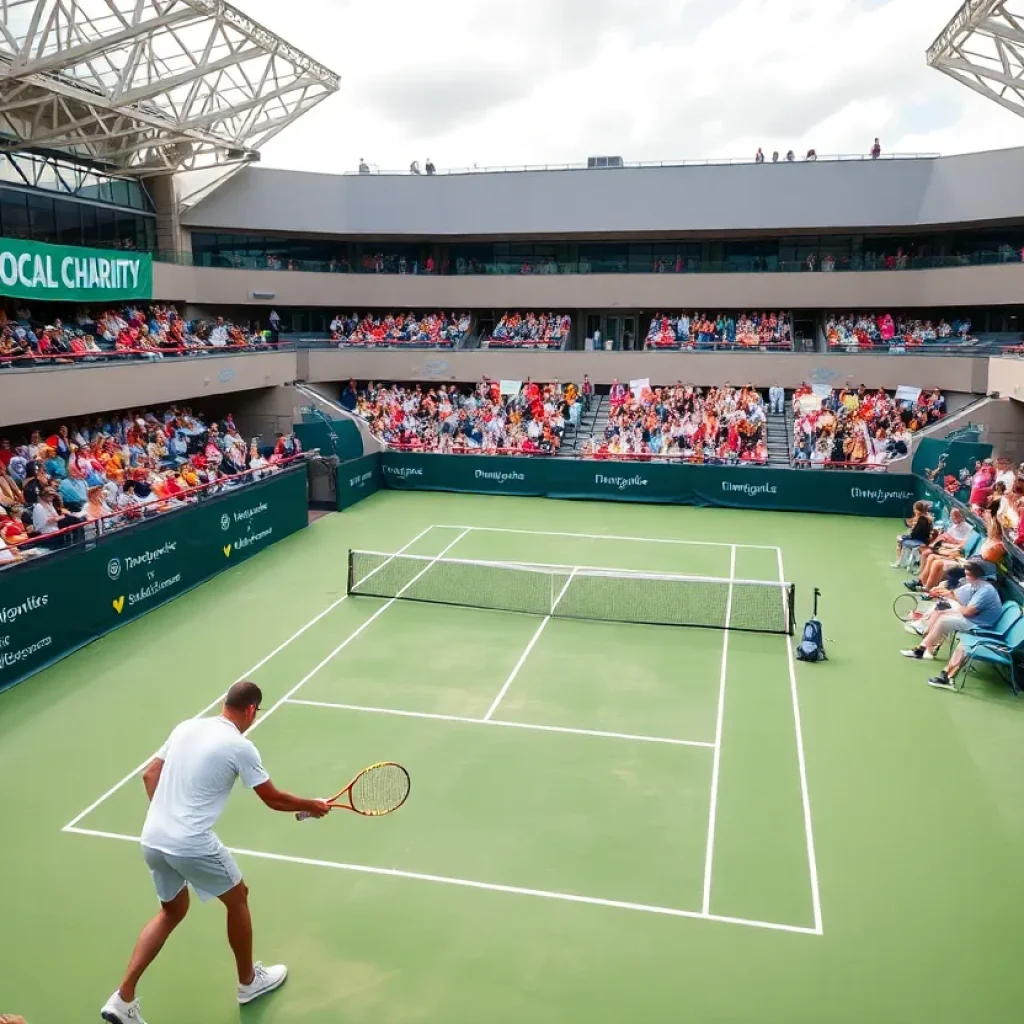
(592, 424)
(780, 437)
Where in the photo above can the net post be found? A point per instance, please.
(351, 578)
(791, 617)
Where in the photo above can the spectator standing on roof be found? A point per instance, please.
(876, 150)
(430, 168)
(364, 167)
(759, 156)
(414, 167)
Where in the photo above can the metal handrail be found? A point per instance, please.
(729, 161)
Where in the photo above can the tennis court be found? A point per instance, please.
(607, 816)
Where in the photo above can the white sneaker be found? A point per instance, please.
(117, 1011)
(917, 628)
(266, 980)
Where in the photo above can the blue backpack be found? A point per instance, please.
(812, 646)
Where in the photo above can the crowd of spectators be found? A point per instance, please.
(858, 427)
(532, 421)
(130, 331)
(117, 469)
(400, 330)
(718, 425)
(857, 331)
(531, 330)
(748, 330)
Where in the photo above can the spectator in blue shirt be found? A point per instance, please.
(975, 605)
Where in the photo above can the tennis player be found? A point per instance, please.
(188, 784)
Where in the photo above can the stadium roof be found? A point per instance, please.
(982, 47)
(148, 86)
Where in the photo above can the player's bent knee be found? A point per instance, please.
(236, 896)
(177, 908)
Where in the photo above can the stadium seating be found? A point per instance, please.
(721, 425)
(481, 420)
(858, 428)
(530, 330)
(117, 469)
(703, 331)
(856, 332)
(114, 335)
(400, 330)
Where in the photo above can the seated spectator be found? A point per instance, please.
(753, 330)
(717, 425)
(864, 331)
(920, 533)
(483, 421)
(431, 330)
(948, 544)
(530, 330)
(974, 605)
(858, 427)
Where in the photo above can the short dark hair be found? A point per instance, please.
(243, 695)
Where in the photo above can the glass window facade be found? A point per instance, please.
(786, 253)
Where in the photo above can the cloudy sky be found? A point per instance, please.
(499, 82)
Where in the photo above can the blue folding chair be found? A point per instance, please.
(1001, 650)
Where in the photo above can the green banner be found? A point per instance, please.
(55, 605)
(64, 273)
(359, 479)
(795, 490)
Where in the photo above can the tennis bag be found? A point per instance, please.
(812, 646)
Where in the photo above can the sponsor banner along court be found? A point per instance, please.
(64, 273)
(791, 490)
(55, 605)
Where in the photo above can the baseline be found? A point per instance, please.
(248, 672)
(468, 883)
(606, 536)
(636, 738)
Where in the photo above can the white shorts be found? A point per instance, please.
(211, 875)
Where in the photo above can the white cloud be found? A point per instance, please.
(490, 82)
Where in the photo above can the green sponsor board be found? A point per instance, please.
(358, 479)
(53, 606)
(64, 273)
(332, 437)
(848, 492)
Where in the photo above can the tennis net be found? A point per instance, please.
(609, 595)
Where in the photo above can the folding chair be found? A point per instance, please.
(1002, 651)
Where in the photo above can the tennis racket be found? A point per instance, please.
(911, 607)
(379, 789)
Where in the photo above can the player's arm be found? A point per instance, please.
(151, 776)
(279, 800)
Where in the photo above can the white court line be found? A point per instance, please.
(467, 883)
(352, 636)
(812, 860)
(607, 536)
(505, 724)
(709, 855)
(529, 647)
(248, 672)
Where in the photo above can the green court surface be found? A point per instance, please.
(608, 821)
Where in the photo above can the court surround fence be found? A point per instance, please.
(885, 495)
(57, 604)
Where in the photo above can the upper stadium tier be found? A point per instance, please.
(819, 196)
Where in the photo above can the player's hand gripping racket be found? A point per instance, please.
(379, 789)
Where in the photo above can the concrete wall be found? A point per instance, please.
(876, 290)
(874, 371)
(34, 395)
(805, 197)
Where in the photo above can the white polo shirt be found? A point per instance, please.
(202, 758)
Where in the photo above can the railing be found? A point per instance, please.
(89, 529)
(732, 161)
(835, 464)
(392, 265)
(145, 355)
